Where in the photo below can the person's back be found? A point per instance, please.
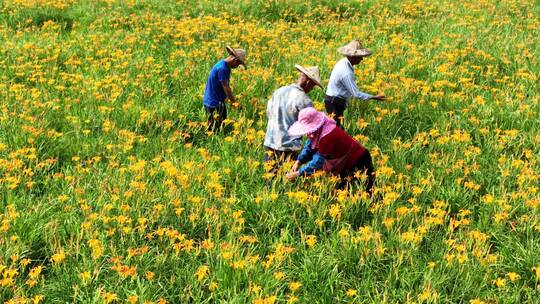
(213, 92)
(282, 111)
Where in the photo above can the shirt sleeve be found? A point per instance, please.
(223, 75)
(350, 85)
(307, 153)
(315, 164)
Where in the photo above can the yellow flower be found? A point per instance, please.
(58, 258)
(35, 272)
(335, 211)
(311, 240)
(513, 276)
(133, 299)
(254, 288)
(292, 299)
(95, 246)
(202, 272)
(499, 282)
(351, 292)
(294, 286)
(278, 275)
(85, 276)
(109, 297)
(536, 271)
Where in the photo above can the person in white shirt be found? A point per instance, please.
(342, 85)
(282, 111)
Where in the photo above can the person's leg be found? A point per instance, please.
(335, 109)
(342, 183)
(291, 155)
(268, 152)
(370, 171)
(271, 157)
(275, 158)
(222, 114)
(330, 108)
(210, 121)
(365, 165)
(339, 110)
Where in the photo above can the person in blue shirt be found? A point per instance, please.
(218, 88)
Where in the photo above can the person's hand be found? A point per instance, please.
(379, 97)
(292, 175)
(295, 166)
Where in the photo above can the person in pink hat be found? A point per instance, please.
(329, 148)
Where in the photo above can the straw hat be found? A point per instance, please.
(354, 49)
(239, 54)
(311, 72)
(309, 121)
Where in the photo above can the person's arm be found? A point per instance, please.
(316, 163)
(350, 84)
(310, 156)
(306, 154)
(228, 90)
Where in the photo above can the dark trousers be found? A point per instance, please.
(215, 116)
(335, 107)
(277, 157)
(364, 164)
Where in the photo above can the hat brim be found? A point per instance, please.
(302, 70)
(231, 52)
(355, 53)
(298, 129)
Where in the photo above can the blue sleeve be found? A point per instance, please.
(315, 164)
(307, 153)
(224, 74)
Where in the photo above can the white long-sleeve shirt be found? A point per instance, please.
(342, 83)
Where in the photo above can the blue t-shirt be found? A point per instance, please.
(214, 93)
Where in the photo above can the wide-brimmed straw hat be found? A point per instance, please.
(239, 54)
(354, 49)
(309, 120)
(311, 72)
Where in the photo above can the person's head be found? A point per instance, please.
(233, 62)
(306, 83)
(309, 122)
(309, 77)
(354, 60)
(236, 57)
(354, 51)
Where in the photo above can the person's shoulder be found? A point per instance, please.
(282, 90)
(336, 132)
(343, 62)
(220, 65)
(296, 91)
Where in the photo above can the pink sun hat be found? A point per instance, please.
(309, 120)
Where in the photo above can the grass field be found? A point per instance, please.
(111, 190)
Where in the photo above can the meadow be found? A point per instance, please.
(112, 191)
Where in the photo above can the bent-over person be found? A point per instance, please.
(330, 149)
(282, 111)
